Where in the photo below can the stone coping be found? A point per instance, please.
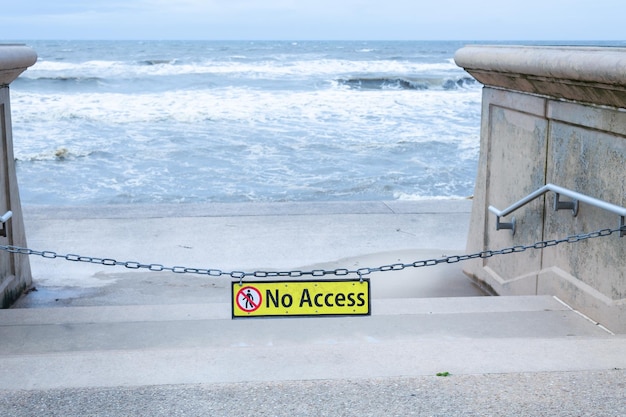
(594, 75)
(14, 59)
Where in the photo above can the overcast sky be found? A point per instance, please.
(314, 19)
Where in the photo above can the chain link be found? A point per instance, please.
(240, 275)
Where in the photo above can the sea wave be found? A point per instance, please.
(240, 105)
(98, 122)
(267, 68)
(403, 83)
(63, 79)
(158, 62)
(58, 154)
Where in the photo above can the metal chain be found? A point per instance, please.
(240, 275)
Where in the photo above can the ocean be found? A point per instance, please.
(123, 122)
(119, 122)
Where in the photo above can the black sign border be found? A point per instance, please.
(234, 284)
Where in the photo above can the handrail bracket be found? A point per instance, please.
(506, 226)
(565, 205)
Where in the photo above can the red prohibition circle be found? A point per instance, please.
(246, 299)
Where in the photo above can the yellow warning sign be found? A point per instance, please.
(301, 298)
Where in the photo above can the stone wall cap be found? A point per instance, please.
(14, 59)
(606, 65)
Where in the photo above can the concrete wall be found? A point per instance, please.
(552, 115)
(15, 274)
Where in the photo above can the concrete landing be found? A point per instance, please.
(241, 237)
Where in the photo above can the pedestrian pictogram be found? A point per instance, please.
(249, 299)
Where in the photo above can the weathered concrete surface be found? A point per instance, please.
(110, 341)
(14, 60)
(15, 273)
(77, 347)
(236, 237)
(531, 136)
(549, 394)
(588, 74)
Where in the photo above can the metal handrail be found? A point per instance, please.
(3, 219)
(559, 205)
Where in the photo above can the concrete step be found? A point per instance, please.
(100, 346)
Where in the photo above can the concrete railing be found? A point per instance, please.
(551, 115)
(15, 275)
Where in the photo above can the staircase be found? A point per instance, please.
(90, 325)
(108, 346)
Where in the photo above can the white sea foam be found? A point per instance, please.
(237, 104)
(245, 125)
(269, 69)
